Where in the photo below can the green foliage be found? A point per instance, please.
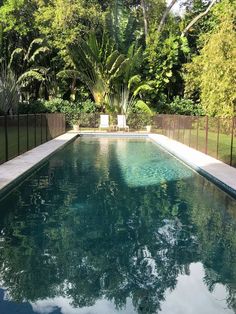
(36, 106)
(212, 74)
(17, 25)
(184, 106)
(163, 59)
(96, 64)
(26, 64)
(72, 110)
(122, 25)
(9, 91)
(113, 59)
(139, 115)
(108, 74)
(63, 21)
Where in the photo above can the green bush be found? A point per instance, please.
(72, 110)
(37, 106)
(88, 106)
(184, 106)
(139, 119)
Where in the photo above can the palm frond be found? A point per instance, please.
(111, 59)
(15, 56)
(37, 53)
(9, 91)
(142, 106)
(119, 60)
(29, 76)
(121, 69)
(134, 80)
(37, 42)
(142, 88)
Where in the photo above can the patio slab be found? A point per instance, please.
(13, 170)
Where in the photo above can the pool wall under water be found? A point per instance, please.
(117, 226)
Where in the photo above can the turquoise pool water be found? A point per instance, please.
(111, 226)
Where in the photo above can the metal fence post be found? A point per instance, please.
(184, 125)
(46, 119)
(6, 138)
(178, 127)
(35, 126)
(190, 132)
(206, 143)
(18, 134)
(197, 131)
(218, 137)
(41, 122)
(27, 131)
(232, 143)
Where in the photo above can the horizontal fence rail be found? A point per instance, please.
(213, 136)
(20, 133)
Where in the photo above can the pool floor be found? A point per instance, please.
(110, 226)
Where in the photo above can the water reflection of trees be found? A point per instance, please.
(60, 236)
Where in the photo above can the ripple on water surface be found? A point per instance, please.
(117, 226)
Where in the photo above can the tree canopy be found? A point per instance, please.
(182, 49)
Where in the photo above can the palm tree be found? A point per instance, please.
(98, 65)
(111, 77)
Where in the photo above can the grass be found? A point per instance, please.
(198, 141)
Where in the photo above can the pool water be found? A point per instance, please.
(110, 226)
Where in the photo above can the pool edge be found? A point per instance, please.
(201, 160)
(21, 163)
(173, 147)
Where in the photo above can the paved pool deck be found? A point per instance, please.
(220, 173)
(16, 169)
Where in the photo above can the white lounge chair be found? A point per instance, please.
(121, 123)
(104, 121)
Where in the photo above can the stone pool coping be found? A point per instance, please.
(221, 174)
(14, 170)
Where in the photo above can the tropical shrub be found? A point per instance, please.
(9, 91)
(184, 106)
(139, 120)
(37, 106)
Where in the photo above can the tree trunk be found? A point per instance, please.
(197, 18)
(145, 22)
(167, 11)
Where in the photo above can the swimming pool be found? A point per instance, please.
(117, 226)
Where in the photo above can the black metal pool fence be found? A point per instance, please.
(213, 136)
(20, 133)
